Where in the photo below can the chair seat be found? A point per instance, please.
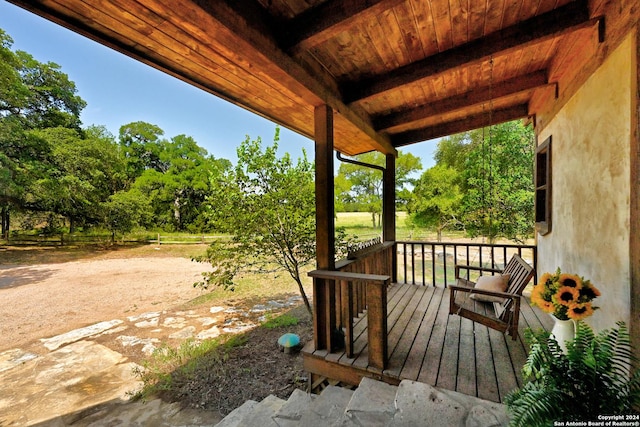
(465, 302)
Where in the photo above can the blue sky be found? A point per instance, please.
(120, 90)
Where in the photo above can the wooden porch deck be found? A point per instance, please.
(429, 346)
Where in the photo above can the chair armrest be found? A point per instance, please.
(483, 292)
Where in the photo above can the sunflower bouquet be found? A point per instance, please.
(566, 296)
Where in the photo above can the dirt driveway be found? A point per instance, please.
(42, 300)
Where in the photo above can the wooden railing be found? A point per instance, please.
(433, 263)
(360, 284)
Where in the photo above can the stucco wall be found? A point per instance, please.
(591, 172)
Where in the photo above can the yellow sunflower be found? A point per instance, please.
(570, 280)
(566, 295)
(538, 299)
(589, 290)
(580, 311)
(545, 278)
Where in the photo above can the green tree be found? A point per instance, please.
(437, 199)
(33, 95)
(124, 211)
(268, 204)
(361, 187)
(495, 176)
(176, 193)
(84, 169)
(142, 146)
(498, 176)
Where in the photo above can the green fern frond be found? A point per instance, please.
(593, 377)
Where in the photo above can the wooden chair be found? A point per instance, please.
(502, 316)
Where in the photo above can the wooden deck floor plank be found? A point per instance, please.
(431, 364)
(407, 341)
(506, 374)
(466, 374)
(393, 314)
(413, 363)
(449, 360)
(401, 328)
(486, 375)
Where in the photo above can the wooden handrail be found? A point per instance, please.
(349, 277)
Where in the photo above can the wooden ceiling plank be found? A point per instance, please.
(459, 21)
(476, 24)
(229, 19)
(501, 89)
(328, 19)
(442, 22)
(458, 126)
(378, 34)
(409, 31)
(493, 17)
(567, 19)
(424, 23)
(511, 13)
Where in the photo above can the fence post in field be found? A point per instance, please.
(158, 239)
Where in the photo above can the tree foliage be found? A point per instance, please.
(360, 188)
(33, 95)
(498, 179)
(437, 199)
(268, 204)
(492, 170)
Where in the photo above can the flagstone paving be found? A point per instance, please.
(83, 377)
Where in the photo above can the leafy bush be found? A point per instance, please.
(593, 378)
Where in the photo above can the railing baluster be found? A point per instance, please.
(424, 280)
(433, 265)
(413, 264)
(404, 254)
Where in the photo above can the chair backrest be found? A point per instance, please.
(521, 273)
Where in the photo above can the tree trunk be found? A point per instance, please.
(72, 225)
(176, 213)
(5, 222)
(303, 294)
(439, 230)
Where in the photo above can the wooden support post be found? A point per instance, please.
(377, 324)
(323, 297)
(389, 210)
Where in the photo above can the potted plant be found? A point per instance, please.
(593, 379)
(568, 298)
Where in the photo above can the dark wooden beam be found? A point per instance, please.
(569, 18)
(514, 86)
(323, 297)
(462, 125)
(325, 235)
(389, 210)
(324, 21)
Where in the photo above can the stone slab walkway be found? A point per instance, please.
(83, 377)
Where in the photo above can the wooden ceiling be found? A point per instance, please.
(396, 72)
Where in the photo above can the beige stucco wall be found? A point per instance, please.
(590, 199)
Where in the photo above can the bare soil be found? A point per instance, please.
(222, 381)
(46, 292)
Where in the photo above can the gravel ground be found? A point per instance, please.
(38, 301)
